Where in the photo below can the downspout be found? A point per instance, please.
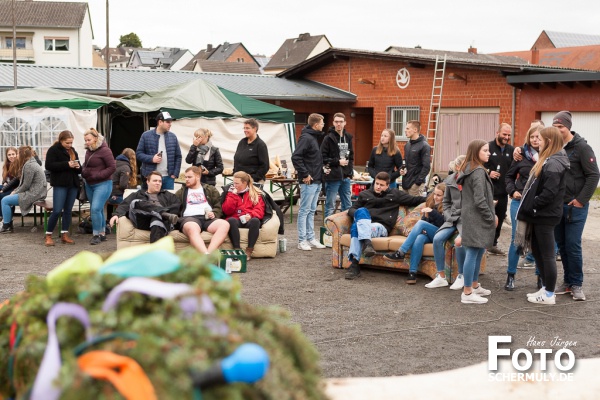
(349, 73)
(514, 114)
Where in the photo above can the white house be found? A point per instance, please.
(48, 33)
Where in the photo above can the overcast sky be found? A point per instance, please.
(263, 25)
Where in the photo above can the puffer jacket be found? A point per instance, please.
(237, 204)
(148, 147)
(121, 176)
(99, 165)
(477, 207)
(417, 155)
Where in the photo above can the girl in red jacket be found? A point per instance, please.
(243, 207)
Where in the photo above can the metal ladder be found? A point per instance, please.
(434, 107)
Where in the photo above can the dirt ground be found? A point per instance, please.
(375, 325)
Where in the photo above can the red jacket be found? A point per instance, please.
(236, 205)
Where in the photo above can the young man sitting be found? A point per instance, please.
(201, 208)
(375, 213)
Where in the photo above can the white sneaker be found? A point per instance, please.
(459, 282)
(437, 282)
(304, 246)
(542, 299)
(316, 244)
(481, 291)
(472, 298)
(538, 293)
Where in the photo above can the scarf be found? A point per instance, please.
(530, 153)
(524, 229)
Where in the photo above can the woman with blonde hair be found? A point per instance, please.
(204, 155)
(32, 187)
(386, 157)
(97, 171)
(541, 210)
(63, 163)
(244, 207)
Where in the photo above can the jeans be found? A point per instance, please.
(568, 236)
(513, 255)
(62, 201)
(168, 183)
(334, 188)
(439, 252)
(98, 194)
(421, 234)
(542, 246)
(309, 195)
(366, 230)
(473, 256)
(8, 203)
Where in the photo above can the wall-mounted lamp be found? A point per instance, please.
(457, 77)
(364, 81)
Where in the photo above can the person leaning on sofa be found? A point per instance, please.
(153, 209)
(374, 213)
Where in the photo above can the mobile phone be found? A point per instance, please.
(160, 153)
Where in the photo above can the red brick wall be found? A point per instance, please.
(240, 52)
(543, 42)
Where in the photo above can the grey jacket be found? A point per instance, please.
(477, 209)
(33, 185)
(452, 204)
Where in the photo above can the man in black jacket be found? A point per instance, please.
(308, 163)
(501, 157)
(152, 209)
(375, 213)
(582, 180)
(417, 154)
(338, 164)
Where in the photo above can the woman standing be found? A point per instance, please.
(386, 157)
(124, 177)
(206, 156)
(451, 205)
(252, 155)
(97, 171)
(478, 219)
(516, 178)
(422, 233)
(63, 163)
(542, 208)
(10, 175)
(243, 207)
(32, 187)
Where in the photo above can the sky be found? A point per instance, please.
(263, 25)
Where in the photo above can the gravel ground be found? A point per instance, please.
(376, 325)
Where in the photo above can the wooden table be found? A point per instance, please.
(290, 188)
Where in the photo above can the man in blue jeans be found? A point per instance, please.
(308, 163)
(582, 179)
(338, 163)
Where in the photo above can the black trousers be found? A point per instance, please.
(542, 247)
(234, 231)
(147, 216)
(500, 209)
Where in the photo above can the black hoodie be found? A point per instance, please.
(307, 158)
(330, 151)
(582, 177)
(417, 154)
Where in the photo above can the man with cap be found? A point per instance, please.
(582, 179)
(158, 150)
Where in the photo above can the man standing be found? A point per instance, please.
(417, 154)
(308, 163)
(338, 159)
(582, 180)
(158, 150)
(153, 209)
(201, 208)
(375, 213)
(501, 157)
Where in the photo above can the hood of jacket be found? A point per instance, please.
(466, 172)
(308, 130)
(417, 140)
(122, 157)
(575, 141)
(331, 132)
(561, 159)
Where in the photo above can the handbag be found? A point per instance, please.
(82, 195)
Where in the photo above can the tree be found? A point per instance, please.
(130, 40)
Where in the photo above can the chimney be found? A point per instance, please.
(209, 47)
(225, 46)
(303, 36)
(472, 50)
(535, 56)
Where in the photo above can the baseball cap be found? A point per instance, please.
(164, 116)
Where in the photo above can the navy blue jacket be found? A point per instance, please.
(148, 147)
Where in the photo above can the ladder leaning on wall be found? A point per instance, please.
(434, 107)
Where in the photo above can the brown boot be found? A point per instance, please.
(64, 237)
(249, 251)
(49, 242)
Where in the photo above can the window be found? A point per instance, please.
(240, 59)
(56, 44)
(397, 117)
(20, 42)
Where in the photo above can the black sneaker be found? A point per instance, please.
(95, 240)
(412, 278)
(172, 218)
(397, 256)
(103, 238)
(7, 228)
(353, 271)
(510, 283)
(368, 250)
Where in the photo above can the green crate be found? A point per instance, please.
(234, 255)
